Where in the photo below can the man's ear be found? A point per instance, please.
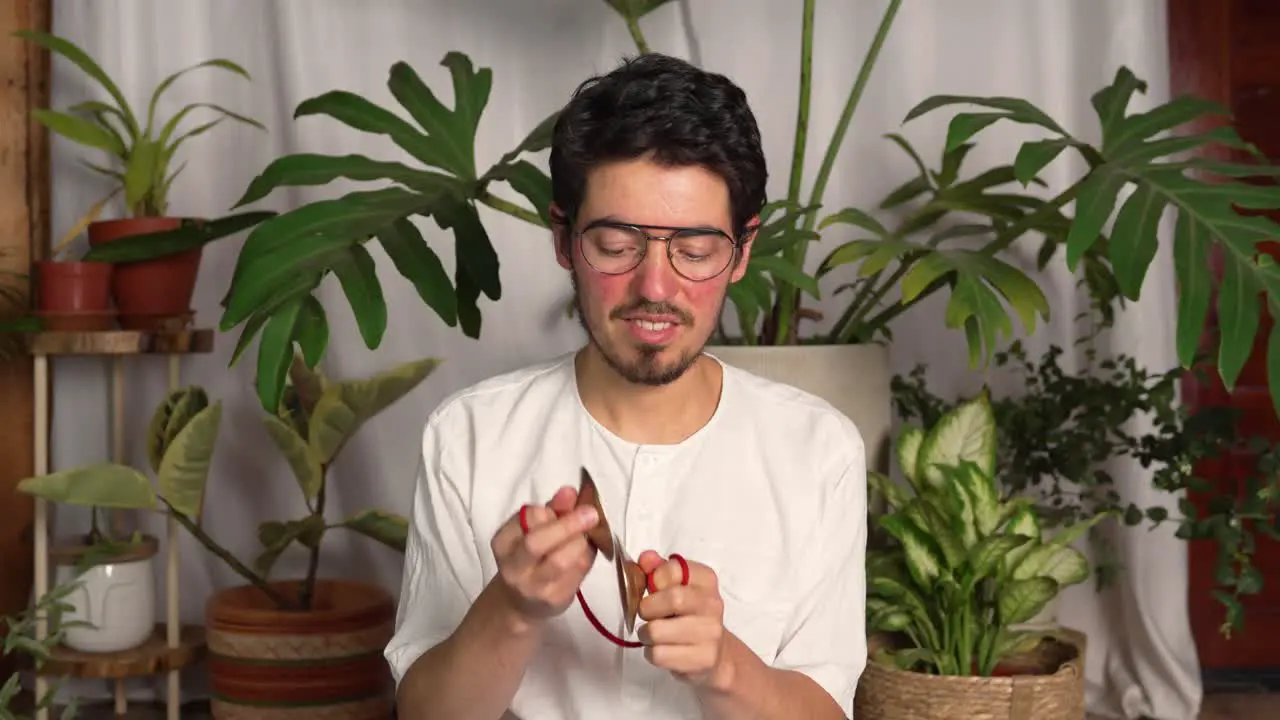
(744, 255)
(561, 235)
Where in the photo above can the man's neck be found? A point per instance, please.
(645, 414)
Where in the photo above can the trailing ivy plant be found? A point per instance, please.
(1058, 434)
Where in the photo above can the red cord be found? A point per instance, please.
(586, 609)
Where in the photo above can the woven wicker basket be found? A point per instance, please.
(1046, 684)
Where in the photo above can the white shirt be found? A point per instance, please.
(770, 493)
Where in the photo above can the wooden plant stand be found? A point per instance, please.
(173, 646)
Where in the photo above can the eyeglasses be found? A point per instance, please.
(697, 254)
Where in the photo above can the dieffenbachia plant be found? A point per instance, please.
(966, 567)
(315, 420)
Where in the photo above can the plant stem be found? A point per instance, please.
(510, 208)
(788, 296)
(637, 35)
(313, 563)
(802, 111)
(231, 560)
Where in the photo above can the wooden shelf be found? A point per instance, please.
(120, 342)
(154, 657)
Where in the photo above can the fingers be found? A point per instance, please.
(564, 500)
(670, 573)
(683, 630)
(547, 536)
(680, 600)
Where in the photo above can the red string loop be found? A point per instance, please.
(582, 601)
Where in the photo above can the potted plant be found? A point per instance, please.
(156, 288)
(74, 295)
(964, 570)
(313, 640)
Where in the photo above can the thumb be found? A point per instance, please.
(564, 500)
(649, 561)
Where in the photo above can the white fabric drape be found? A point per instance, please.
(1141, 658)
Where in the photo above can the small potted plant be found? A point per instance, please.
(158, 287)
(963, 569)
(74, 295)
(21, 649)
(331, 631)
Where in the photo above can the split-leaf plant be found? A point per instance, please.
(142, 147)
(965, 568)
(314, 422)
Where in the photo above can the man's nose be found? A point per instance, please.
(656, 280)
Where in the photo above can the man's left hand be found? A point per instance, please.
(684, 625)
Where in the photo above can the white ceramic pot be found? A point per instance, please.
(116, 598)
(853, 378)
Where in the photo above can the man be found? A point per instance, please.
(658, 177)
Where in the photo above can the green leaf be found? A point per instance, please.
(923, 557)
(275, 353)
(167, 82)
(635, 9)
(1238, 318)
(878, 254)
(451, 133)
(361, 114)
(276, 537)
(1111, 102)
(856, 217)
(1195, 285)
(1035, 155)
(892, 492)
(1064, 565)
(419, 264)
(359, 279)
(103, 485)
(184, 468)
(965, 125)
(984, 558)
(190, 234)
(910, 439)
(310, 169)
(472, 245)
(344, 407)
(1133, 238)
(312, 330)
(170, 127)
(984, 496)
(178, 408)
(306, 467)
(787, 272)
(79, 130)
(1013, 109)
(967, 432)
(537, 140)
(390, 530)
(529, 181)
(82, 60)
(1021, 600)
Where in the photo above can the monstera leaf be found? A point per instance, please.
(285, 258)
(1160, 173)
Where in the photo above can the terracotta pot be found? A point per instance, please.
(269, 664)
(74, 296)
(149, 293)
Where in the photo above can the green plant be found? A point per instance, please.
(315, 420)
(966, 568)
(20, 639)
(143, 152)
(1058, 434)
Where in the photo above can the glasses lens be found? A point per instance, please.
(613, 249)
(701, 255)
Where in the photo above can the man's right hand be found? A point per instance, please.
(541, 571)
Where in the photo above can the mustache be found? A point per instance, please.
(654, 308)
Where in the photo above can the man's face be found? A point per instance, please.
(650, 324)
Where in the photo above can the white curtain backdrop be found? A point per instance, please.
(1141, 658)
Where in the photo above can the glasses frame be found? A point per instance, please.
(649, 237)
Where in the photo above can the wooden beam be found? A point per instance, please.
(24, 237)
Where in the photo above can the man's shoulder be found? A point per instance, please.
(499, 394)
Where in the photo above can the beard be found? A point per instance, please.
(647, 367)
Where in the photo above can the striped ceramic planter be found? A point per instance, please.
(325, 664)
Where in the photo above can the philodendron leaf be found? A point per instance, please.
(358, 277)
(419, 264)
(185, 465)
(388, 529)
(345, 406)
(104, 485)
(451, 133)
(305, 467)
(966, 432)
(1020, 600)
(178, 408)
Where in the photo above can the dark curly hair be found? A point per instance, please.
(662, 106)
